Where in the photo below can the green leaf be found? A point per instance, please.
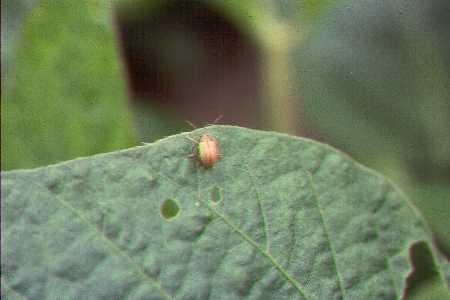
(278, 217)
(374, 79)
(13, 13)
(65, 94)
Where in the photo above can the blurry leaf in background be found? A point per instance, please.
(65, 93)
(13, 14)
(201, 59)
(375, 80)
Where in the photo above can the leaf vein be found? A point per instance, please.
(272, 259)
(247, 238)
(326, 231)
(112, 245)
(261, 209)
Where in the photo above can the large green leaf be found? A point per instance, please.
(375, 78)
(64, 95)
(277, 217)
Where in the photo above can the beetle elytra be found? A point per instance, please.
(208, 150)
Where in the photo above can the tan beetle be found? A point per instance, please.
(208, 149)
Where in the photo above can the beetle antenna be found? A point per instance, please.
(218, 119)
(191, 124)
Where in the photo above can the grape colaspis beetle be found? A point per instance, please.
(208, 150)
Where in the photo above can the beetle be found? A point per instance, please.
(208, 150)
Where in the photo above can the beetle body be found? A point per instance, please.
(208, 151)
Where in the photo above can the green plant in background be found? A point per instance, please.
(148, 223)
(279, 28)
(97, 224)
(64, 96)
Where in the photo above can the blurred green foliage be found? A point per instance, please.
(65, 95)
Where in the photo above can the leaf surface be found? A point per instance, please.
(277, 217)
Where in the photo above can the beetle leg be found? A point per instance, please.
(192, 140)
(215, 121)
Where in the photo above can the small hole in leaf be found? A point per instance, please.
(169, 209)
(216, 194)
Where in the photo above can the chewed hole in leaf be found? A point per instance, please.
(169, 209)
(423, 275)
(216, 194)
